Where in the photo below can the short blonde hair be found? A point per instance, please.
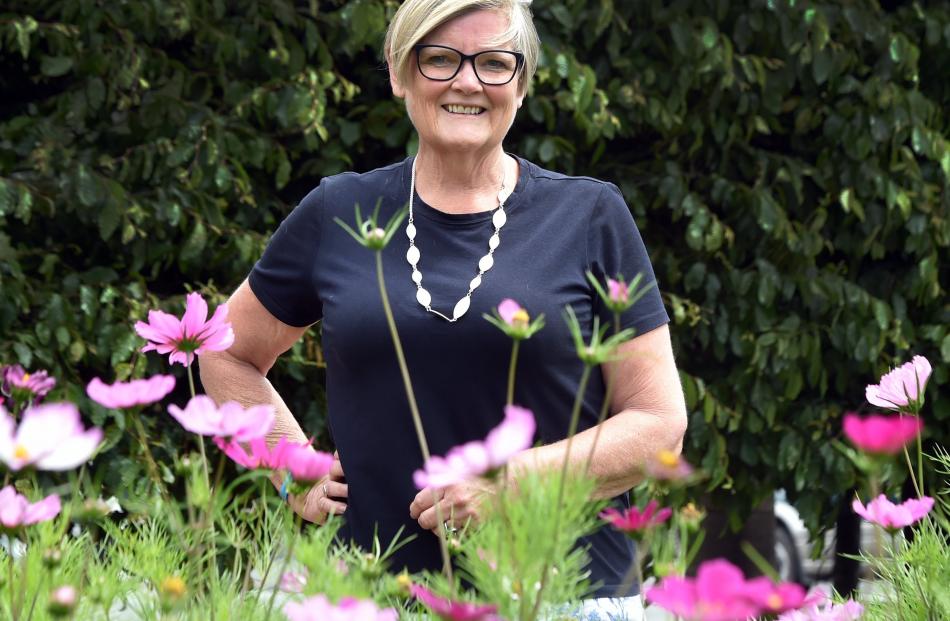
(417, 18)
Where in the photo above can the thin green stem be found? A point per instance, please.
(920, 464)
(36, 594)
(571, 430)
(604, 407)
(290, 553)
(911, 472)
(11, 571)
(511, 372)
(414, 410)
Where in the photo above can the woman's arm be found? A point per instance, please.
(239, 374)
(649, 415)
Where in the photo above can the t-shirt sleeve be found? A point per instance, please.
(615, 249)
(283, 279)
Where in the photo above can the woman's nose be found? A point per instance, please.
(465, 79)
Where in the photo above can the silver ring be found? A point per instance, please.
(448, 528)
(326, 492)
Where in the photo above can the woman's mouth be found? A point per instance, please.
(458, 109)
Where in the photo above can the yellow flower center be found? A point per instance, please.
(668, 458)
(774, 601)
(173, 587)
(20, 452)
(520, 318)
(26, 377)
(404, 581)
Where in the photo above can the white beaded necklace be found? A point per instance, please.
(484, 264)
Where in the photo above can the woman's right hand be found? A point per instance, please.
(325, 497)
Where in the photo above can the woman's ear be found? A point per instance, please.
(398, 89)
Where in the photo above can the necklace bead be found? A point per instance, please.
(413, 255)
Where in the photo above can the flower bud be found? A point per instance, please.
(52, 557)
(171, 591)
(62, 602)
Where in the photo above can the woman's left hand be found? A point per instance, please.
(459, 504)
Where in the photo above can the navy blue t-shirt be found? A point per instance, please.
(558, 228)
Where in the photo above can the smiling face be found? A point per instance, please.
(461, 114)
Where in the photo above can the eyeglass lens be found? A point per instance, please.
(492, 67)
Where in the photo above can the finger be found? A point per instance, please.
(455, 516)
(336, 469)
(335, 507)
(423, 501)
(337, 490)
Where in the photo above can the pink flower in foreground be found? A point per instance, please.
(128, 394)
(193, 334)
(819, 607)
(293, 582)
(512, 313)
(36, 384)
(452, 610)
(717, 593)
(49, 437)
(632, 520)
(883, 435)
(617, 291)
(305, 464)
(514, 434)
(231, 421)
(775, 598)
(260, 456)
(893, 517)
(319, 608)
(901, 387)
(668, 466)
(16, 511)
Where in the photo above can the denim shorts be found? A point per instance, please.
(605, 609)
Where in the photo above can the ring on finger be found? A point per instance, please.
(449, 528)
(326, 492)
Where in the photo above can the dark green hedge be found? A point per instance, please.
(787, 163)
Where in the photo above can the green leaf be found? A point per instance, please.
(282, 176)
(945, 348)
(195, 243)
(88, 187)
(55, 66)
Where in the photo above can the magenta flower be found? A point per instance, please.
(319, 608)
(35, 385)
(49, 437)
(633, 521)
(617, 291)
(453, 610)
(902, 387)
(193, 334)
(514, 434)
(512, 312)
(231, 421)
(881, 435)
(774, 598)
(293, 582)
(717, 593)
(893, 517)
(128, 394)
(260, 456)
(16, 511)
(305, 464)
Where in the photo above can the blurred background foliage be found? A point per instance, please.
(786, 161)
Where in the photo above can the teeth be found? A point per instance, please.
(463, 109)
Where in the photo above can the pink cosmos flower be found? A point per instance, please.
(632, 520)
(819, 607)
(319, 608)
(901, 387)
(717, 593)
(231, 421)
(774, 598)
(16, 511)
(38, 383)
(882, 435)
(510, 312)
(514, 434)
(193, 334)
(452, 610)
(260, 456)
(293, 582)
(63, 600)
(49, 437)
(668, 466)
(305, 464)
(893, 517)
(617, 291)
(128, 394)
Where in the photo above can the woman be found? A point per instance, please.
(463, 68)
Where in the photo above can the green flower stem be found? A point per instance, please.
(572, 428)
(290, 553)
(149, 458)
(414, 409)
(10, 571)
(201, 440)
(36, 595)
(920, 464)
(511, 372)
(635, 573)
(605, 406)
(911, 471)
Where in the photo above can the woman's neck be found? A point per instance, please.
(466, 183)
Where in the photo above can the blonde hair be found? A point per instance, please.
(417, 18)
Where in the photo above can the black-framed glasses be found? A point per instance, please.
(492, 67)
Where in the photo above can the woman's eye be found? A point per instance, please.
(437, 60)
